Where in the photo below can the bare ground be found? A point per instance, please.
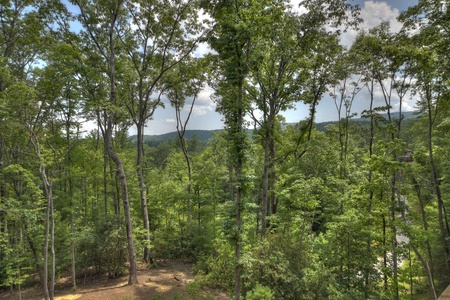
(170, 280)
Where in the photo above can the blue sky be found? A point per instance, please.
(205, 117)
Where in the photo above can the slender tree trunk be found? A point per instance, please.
(394, 240)
(371, 192)
(394, 193)
(72, 214)
(269, 205)
(48, 191)
(126, 207)
(49, 224)
(424, 224)
(105, 181)
(72, 253)
(238, 169)
(184, 149)
(117, 160)
(52, 236)
(427, 271)
(385, 264)
(265, 194)
(20, 242)
(272, 175)
(143, 191)
(109, 54)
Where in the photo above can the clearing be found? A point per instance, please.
(170, 280)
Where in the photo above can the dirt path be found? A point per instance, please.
(446, 294)
(169, 281)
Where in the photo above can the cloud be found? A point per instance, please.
(372, 14)
(297, 7)
(203, 104)
(202, 50)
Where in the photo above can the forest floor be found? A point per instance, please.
(171, 280)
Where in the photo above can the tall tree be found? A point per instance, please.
(185, 84)
(101, 21)
(273, 87)
(232, 37)
(159, 36)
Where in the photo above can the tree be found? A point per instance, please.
(109, 17)
(231, 38)
(160, 36)
(187, 84)
(345, 88)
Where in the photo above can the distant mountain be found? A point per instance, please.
(202, 135)
(205, 135)
(407, 115)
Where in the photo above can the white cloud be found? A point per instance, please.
(203, 104)
(372, 14)
(203, 49)
(297, 7)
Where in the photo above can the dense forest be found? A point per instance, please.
(357, 210)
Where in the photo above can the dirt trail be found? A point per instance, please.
(169, 280)
(446, 294)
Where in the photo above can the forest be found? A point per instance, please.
(264, 209)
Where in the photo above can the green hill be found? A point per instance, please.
(202, 135)
(205, 135)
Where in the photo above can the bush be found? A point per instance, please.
(219, 266)
(102, 247)
(260, 292)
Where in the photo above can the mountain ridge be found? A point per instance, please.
(204, 135)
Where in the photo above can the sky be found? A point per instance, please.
(204, 115)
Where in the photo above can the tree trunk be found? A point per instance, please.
(143, 191)
(238, 170)
(52, 238)
(72, 226)
(126, 208)
(105, 181)
(425, 224)
(271, 171)
(48, 192)
(265, 194)
(385, 264)
(371, 193)
(427, 271)
(116, 159)
(394, 241)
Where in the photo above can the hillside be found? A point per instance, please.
(202, 135)
(205, 135)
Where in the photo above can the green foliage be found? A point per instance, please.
(101, 246)
(219, 266)
(260, 292)
(272, 269)
(194, 288)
